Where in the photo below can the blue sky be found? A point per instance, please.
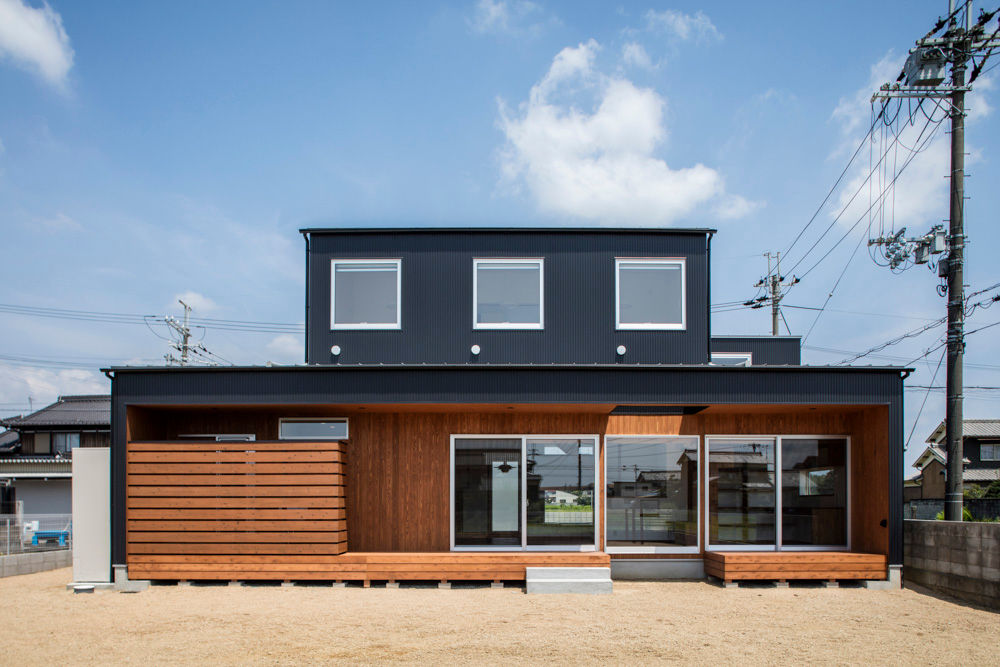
(151, 150)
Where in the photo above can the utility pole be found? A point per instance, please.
(924, 73)
(184, 332)
(773, 282)
(954, 488)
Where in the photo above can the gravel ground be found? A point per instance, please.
(642, 622)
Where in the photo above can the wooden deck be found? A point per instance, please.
(352, 566)
(791, 566)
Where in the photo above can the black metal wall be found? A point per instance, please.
(520, 384)
(579, 283)
(781, 350)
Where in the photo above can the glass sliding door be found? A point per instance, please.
(487, 495)
(560, 486)
(813, 492)
(741, 492)
(652, 493)
(524, 492)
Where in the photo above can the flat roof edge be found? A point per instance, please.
(480, 367)
(511, 230)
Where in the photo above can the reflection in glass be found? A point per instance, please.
(508, 293)
(650, 292)
(365, 293)
(652, 491)
(814, 492)
(487, 491)
(560, 491)
(741, 491)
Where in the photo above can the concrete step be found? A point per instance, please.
(586, 580)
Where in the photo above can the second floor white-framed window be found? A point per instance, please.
(650, 293)
(365, 293)
(508, 293)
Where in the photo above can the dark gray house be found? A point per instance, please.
(454, 375)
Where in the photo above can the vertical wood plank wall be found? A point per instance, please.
(397, 493)
(194, 506)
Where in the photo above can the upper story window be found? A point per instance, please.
(64, 443)
(365, 294)
(989, 452)
(508, 293)
(732, 359)
(649, 294)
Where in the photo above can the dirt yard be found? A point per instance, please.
(642, 622)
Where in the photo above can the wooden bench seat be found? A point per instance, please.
(794, 565)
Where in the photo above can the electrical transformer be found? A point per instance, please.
(925, 67)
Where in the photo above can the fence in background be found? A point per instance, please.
(30, 533)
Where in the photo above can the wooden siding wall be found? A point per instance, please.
(398, 481)
(197, 505)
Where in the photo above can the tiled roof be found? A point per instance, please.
(90, 410)
(8, 438)
(981, 475)
(981, 427)
(977, 428)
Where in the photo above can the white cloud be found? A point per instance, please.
(34, 38)
(919, 197)
(697, 27)
(45, 385)
(507, 17)
(634, 55)
(601, 165)
(199, 303)
(287, 348)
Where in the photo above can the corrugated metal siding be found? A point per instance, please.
(437, 298)
(555, 384)
(766, 350)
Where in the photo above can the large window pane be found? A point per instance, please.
(814, 492)
(650, 294)
(741, 491)
(488, 491)
(365, 294)
(652, 492)
(509, 293)
(560, 491)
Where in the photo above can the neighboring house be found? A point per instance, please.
(452, 374)
(980, 460)
(37, 475)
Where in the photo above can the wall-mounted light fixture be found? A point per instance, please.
(335, 350)
(475, 349)
(621, 350)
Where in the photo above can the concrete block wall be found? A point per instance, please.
(38, 561)
(960, 559)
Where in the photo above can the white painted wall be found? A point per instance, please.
(92, 514)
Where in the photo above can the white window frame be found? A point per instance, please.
(345, 420)
(698, 494)
(524, 491)
(651, 326)
(398, 324)
(777, 546)
(746, 356)
(540, 261)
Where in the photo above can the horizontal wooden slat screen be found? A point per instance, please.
(194, 502)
